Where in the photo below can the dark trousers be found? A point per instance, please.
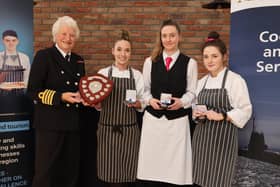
(142, 183)
(57, 159)
(88, 170)
(104, 184)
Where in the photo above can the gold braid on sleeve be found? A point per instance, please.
(47, 96)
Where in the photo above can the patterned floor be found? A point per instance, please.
(254, 173)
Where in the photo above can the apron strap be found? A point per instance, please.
(224, 79)
(110, 72)
(19, 61)
(131, 74)
(205, 82)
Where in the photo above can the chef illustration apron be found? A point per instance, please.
(12, 73)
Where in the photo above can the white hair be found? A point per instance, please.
(68, 21)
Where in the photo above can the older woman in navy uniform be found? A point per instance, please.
(14, 66)
(53, 86)
(215, 140)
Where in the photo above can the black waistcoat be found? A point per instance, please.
(173, 81)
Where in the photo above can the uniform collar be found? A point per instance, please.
(61, 51)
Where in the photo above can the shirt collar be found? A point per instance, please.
(116, 68)
(61, 51)
(12, 53)
(174, 56)
(220, 74)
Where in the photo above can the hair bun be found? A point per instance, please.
(214, 35)
(125, 35)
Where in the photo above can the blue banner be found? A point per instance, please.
(254, 53)
(16, 53)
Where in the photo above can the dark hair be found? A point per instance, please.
(123, 35)
(158, 46)
(213, 39)
(9, 33)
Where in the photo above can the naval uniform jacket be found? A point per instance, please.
(50, 76)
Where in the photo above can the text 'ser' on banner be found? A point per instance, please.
(16, 52)
(255, 54)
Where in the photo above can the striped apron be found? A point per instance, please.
(118, 135)
(215, 143)
(12, 74)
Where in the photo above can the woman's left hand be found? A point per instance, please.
(71, 97)
(177, 104)
(212, 115)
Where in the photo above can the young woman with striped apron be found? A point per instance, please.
(118, 134)
(215, 140)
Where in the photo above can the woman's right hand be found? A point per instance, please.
(155, 103)
(96, 106)
(197, 113)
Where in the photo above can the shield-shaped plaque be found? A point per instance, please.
(95, 88)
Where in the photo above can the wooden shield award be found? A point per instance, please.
(95, 88)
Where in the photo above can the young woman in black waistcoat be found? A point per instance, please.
(170, 77)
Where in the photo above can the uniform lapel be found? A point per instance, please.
(68, 67)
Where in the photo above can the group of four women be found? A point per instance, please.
(162, 153)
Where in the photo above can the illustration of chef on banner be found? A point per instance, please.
(14, 66)
(16, 134)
